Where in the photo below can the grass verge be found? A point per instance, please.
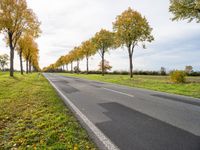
(32, 116)
(157, 83)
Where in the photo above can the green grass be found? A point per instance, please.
(157, 83)
(32, 116)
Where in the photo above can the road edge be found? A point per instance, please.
(101, 140)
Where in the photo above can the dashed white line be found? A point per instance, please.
(119, 92)
(97, 132)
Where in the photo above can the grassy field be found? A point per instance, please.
(158, 83)
(32, 116)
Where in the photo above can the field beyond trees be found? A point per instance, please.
(32, 116)
(157, 83)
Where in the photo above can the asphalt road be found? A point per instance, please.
(135, 119)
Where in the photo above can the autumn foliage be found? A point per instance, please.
(16, 21)
(178, 76)
(129, 29)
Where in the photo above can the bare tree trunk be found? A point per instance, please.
(11, 54)
(87, 64)
(21, 64)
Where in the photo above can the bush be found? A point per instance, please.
(178, 76)
(194, 74)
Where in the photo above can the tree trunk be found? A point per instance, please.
(131, 65)
(130, 61)
(67, 67)
(21, 64)
(29, 66)
(26, 66)
(87, 66)
(71, 67)
(77, 66)
(63, 68)
(11, 54)
(102, 64)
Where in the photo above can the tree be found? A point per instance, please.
(188, 69)
(107, 66)
(66, 61)
(30, 52)
(3, 61)
(88, 49)
(61, 62)
(185, 9)
(162, 71)
(103, 40)
(71, 59)
(22, 45)
(15, 19)
(131, 29)
(77, 54)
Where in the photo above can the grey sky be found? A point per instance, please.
(66, 24)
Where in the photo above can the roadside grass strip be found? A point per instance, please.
(32, 116)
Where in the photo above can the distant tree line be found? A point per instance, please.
(162, 72)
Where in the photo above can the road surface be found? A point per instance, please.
(131, 118)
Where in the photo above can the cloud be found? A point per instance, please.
(66, 24)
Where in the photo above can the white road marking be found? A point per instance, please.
(98, 133)
(119, 92)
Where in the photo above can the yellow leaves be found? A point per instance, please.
(29, 49)
(103, 39)
(131, 27)
(185, 9)
(75, 147)
(16, 17)
(88, 48)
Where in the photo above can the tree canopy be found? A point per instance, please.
(185, 9)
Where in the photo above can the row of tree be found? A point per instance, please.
(3, 61)
(20, 27)
(129, 29)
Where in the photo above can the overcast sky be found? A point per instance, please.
(66, 24)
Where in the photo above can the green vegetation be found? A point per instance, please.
(158, 83)
(178, 76)
(32, 116)
(185, 9)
